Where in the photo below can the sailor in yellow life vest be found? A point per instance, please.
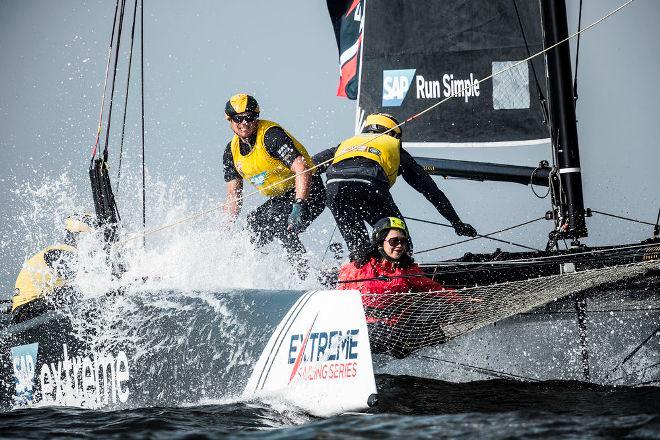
(44, 277)
(267, 156)
(363, 169)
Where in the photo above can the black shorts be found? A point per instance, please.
(353, 203)
(270, 220)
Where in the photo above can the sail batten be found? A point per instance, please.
(522, 143)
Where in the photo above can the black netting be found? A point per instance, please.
(405, 322)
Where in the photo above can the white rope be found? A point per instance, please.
(457, 92)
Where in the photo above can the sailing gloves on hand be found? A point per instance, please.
(464, 229)
(298, 217)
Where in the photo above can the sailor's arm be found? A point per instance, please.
(300, 210)
(420, 180)
(234, 184)
(234, 202)
(303, 178)
(323, 159)
(280, 146)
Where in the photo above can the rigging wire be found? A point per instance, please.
(625, 218)
(128, 83)
(409, 119)
(488, 236)
(577, 55)
(114, 78)
(144, 192)
(623, 376)
(496, 373)
(105, 84)
(329, 242)
(531, 260)
(542, 100)
(641, 345)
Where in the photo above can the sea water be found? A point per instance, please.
(409, 407)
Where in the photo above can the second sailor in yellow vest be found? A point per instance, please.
(361, 170)
(275, 163)
(46, 275)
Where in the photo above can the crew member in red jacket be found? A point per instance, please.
(387, 268)
(384, 274)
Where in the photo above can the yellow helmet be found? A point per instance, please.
(79, 222)
(382, 227)
(241, 103)
(380, 123)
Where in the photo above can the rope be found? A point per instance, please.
(538, 85)
(393, 277)
(624, 218)
(495, 373)
(411, 118)
(144, 191)
(531, 260)
(128, 83)
(329, 243)
(631, 354)
(105, 84)
(114, 78)
(577, 56)
(641, 370)
(478, 235)
(531, 182)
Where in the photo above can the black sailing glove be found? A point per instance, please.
(464, 229)
(298, 217)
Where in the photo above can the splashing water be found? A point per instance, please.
(180, 309)
(203, 254)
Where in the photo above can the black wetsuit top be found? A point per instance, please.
(278, 144)
(360, 168)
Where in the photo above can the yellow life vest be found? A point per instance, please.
(383, 149)
(265, 172)
(37, 279)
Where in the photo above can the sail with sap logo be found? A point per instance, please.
(416, 54)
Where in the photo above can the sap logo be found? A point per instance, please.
(258, 179)
(24, 360)
(323, 346)
(395, 86)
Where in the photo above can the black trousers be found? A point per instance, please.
(354, 203)
(270, 220)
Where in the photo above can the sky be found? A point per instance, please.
(200, 52)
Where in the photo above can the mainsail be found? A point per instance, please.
(418, 53)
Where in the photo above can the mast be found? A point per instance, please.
(563, 125)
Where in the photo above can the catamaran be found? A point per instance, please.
(539, 314)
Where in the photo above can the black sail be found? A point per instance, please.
(416, 53)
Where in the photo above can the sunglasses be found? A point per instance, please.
(249, 117)
(395, 241)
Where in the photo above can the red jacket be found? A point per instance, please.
(377, 293)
